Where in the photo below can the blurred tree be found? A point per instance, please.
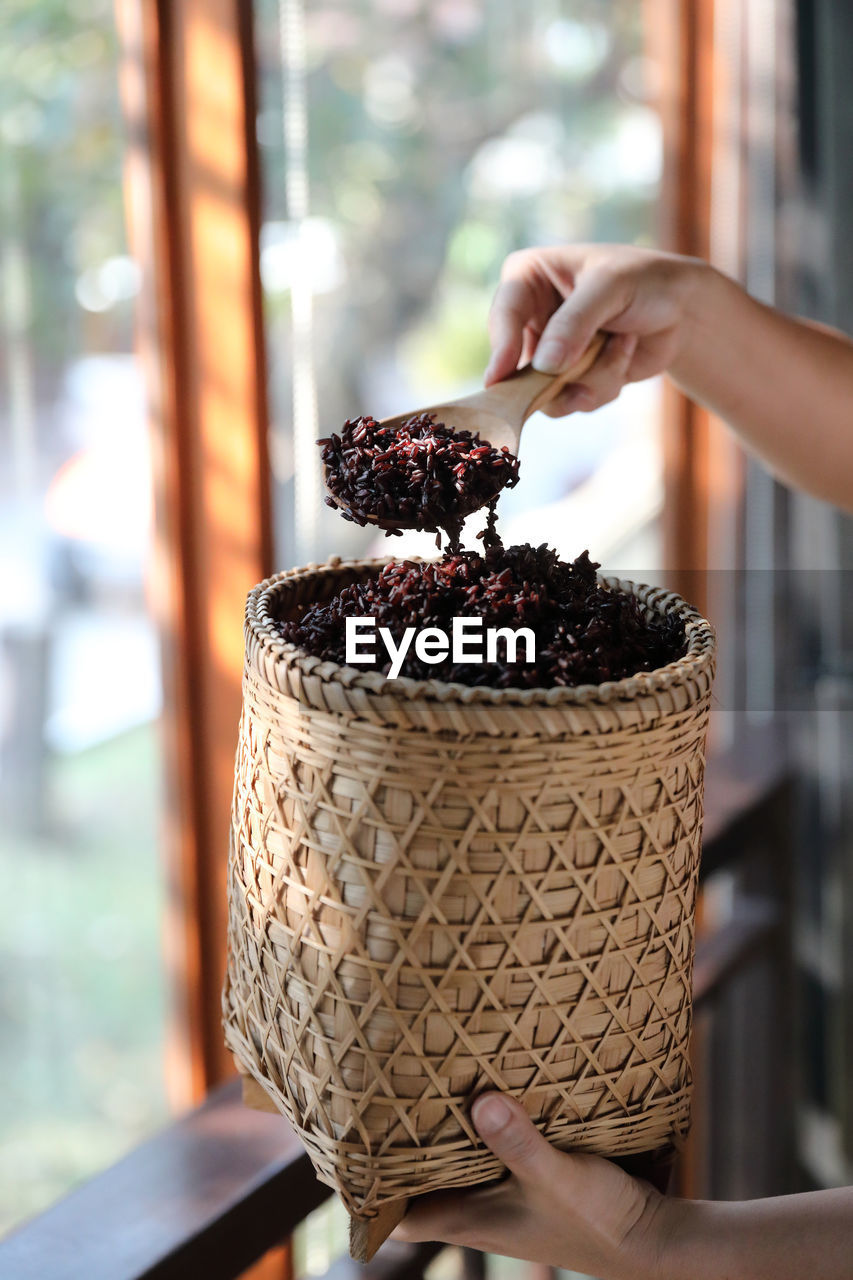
(61, 163)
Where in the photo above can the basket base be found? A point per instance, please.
(652, 1166)
(367, 1234)
(255, 1096)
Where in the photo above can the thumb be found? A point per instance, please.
(506, 1128)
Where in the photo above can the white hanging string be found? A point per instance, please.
(306, 482)
(16, 318)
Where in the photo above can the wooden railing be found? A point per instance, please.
(220, 1186)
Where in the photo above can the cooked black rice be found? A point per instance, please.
(585, 633)
(420, 475)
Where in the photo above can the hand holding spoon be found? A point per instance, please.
(375, 471)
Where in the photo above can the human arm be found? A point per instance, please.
(583, 1213)
(784, 385)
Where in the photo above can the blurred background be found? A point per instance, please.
(228, 227)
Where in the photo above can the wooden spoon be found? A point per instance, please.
(498, 413)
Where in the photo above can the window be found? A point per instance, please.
(83, 1010)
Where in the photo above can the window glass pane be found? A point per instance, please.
(407, 147)
(82, 1014)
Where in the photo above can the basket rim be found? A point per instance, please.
(695, 666)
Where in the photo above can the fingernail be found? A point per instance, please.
(490, 1114)
(550, 356)
(487, 373)
(629, 343)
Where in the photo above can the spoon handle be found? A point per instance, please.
(516, 397)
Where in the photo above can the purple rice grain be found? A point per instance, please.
(420, 475)
(585, 632)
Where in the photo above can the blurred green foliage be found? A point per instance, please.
(83, 1004)
(61, 151)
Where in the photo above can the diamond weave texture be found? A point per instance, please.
(418, 916)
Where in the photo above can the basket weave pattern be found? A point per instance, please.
(436, 890)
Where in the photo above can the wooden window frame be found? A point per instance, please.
(188, 91)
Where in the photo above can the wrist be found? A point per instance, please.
(657, 1243)
(699, 288)
(710, 303)
(690, 1235)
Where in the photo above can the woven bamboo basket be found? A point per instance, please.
(436, 890)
